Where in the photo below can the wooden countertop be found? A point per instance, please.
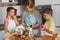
(1, 28)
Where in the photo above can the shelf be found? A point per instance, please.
(3, 3)
(56, 4)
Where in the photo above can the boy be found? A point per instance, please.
(49, 27)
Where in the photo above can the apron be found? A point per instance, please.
(11, 26)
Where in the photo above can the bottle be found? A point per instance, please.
(10, 0)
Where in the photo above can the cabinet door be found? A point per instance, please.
(56, 1)
(2, 14)
(0, 0)
(56, 14)
(43, 2)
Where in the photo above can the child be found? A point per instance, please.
(19, 32)
(10, 21)
(21, 27)
(49, 27)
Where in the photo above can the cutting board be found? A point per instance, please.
(46, 37)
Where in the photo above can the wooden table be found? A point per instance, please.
(40, 37)
(44, 38)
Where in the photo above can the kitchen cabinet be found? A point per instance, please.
(43, 2)
(56, 1)
(0, 0)
(56, 14)
(56, 11)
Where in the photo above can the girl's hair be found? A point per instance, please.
(10, 8)
(48, 11)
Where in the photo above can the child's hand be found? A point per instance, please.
(14, 17)
(42, 29)
(7, 36)
(19, 19)
(7, 33)
(33, 26)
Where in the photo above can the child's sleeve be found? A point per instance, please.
(51, 27)
(5, 24)
(5, 21)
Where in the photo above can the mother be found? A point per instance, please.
(31, 17)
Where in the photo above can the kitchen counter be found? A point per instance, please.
(1, 28)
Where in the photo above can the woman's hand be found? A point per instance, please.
(24, 25)
(33, 26)
(28, 28)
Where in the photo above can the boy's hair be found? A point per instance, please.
(48, 11)
(10, 8)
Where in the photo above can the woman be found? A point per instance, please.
(31, 18)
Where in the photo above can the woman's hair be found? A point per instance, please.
(29, 3)
(10, 8)
(48, 11)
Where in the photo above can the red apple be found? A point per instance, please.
(40, 26)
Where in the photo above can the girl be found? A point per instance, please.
(10, 21)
